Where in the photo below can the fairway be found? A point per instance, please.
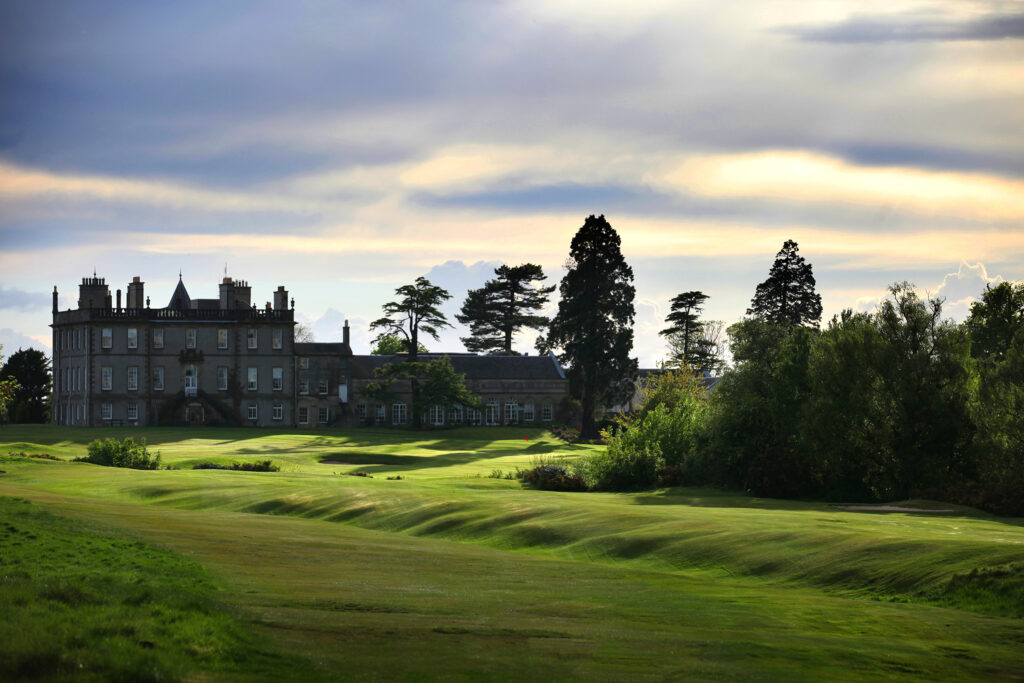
(453, 571)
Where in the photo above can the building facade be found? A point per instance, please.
(225, 361)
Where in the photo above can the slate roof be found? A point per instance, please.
(477, 367)
(322, 349)
(180, 300)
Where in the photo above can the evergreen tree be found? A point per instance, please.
(416, 311)
(30, 370)
(684, 330)
(787, 297)
(496, 311)
(594, 324)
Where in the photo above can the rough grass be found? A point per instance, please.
(449, 573)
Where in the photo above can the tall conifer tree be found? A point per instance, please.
(594, 324)
(788, 297)
(500, 308)
(684, 331)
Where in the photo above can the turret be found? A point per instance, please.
(93, 293)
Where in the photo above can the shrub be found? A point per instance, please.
(126, 453)
(554, 478)
(262, 466)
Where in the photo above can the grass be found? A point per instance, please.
(451, 573)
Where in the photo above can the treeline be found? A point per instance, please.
(882, 406)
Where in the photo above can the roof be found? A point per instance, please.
(180, 300)
(322, 349)
(477, 367)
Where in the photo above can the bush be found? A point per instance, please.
(262, 466)
(126, 453)
(554, 478)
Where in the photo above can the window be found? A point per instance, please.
(133, 337)
(437, 415)
(158, 339)
(455, 415)
(190, 338)
(250, 338)
(492, 411)
(322, 386)
(303, 386)
(108, 410)
(473, 416)
(251, 410)
(133, 378)
(303, 415)
(528, 412)
(511, 413)
(362, 412)
(158, 379)
(108, 338)
(277, 341)
(222, 339)
(278, 412)
(106, 378)
(251, 383)
(545, 413)
(381, 416)
(133, 411)
(399, 413)
(222, 378)
(277, 379)
(304, 363)
(323, 416)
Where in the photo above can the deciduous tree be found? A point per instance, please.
(30, 369)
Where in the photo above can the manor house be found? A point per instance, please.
(225, 361)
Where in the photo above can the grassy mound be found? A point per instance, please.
(80, 601)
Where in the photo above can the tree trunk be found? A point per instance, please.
(588, 429)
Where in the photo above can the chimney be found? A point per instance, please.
(345, 333)
(227, 294)
(93, 293)
(119, 299)
(281, 298)
(55, 298)
(135, 295)
(106, 301)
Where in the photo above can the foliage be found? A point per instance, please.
(30, 369)
(260, 466)
(565, 433)
(414, 312)
(995, 320)
(392, 344)
(788, 297)
(554, 478)
(126, 453)
(304, 333)
(594, 324)
(8, 385)
(691, 341)
(436, 382)
(500, 308)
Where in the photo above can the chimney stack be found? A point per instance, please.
(281, 298)
(345, 333)
(55, 298)
(135, 295)
(118, 299)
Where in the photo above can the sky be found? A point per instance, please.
(343, 149)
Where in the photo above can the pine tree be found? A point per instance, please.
(787, 297)
(594, 324)
(684, 331)
(496, 311)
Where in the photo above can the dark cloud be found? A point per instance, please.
(930, 157)
(912, 28)
(22, 300)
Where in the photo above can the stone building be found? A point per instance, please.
(225, 361)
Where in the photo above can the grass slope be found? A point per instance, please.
(446, 572)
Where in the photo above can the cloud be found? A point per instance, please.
(12, 340)
(810, 177)
(913, 27)
(22, 300)
(962, 288)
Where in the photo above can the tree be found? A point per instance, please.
(304, 333)
(496, 311)
(392, 344)
(438, 385)
(30, 368)
(995, 320)
(594, 323)
(787, 297)
(8, 385)
(414, 312)
(685, 328)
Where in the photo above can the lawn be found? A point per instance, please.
(451, 572)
